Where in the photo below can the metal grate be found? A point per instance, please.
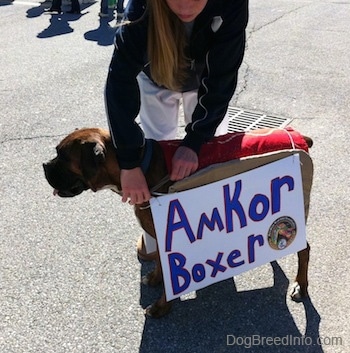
(243, 120)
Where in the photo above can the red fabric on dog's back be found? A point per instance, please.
(241, 144)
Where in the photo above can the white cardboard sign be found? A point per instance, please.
(214, 232)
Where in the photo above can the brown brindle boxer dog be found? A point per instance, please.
(86, 159)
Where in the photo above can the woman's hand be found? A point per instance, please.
(184, 163)
(134, 186)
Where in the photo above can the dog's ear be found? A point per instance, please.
(92, 156)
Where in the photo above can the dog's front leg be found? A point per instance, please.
(156, 276)
(299, 289)
(161, 307)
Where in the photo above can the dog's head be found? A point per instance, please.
(80, 157)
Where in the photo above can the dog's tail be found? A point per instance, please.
(308, 140)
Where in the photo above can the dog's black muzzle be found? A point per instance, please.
(65, 182)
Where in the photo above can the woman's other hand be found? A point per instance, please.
(184, 163)
(134, 186)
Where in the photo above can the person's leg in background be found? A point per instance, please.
(120, 10)
(75, 9)
(55, 7)
(103, 8)
(120, 6)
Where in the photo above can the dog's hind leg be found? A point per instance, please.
(299, 289)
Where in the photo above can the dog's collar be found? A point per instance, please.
(147, 155)
(145, 163)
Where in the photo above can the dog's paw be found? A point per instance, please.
(157, 310)
(297, 292)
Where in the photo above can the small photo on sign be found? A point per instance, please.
(282, 233)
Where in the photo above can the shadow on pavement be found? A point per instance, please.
(6, 2)
(59, 24)
(103, 35)
(210, 322)
(37, 11)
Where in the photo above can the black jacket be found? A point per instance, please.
(216, 52)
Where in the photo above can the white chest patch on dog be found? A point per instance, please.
(111, 187)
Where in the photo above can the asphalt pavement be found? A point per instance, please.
(69, 275)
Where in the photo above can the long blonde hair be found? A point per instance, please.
(166, 46)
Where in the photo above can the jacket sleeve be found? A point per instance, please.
(219, 79)
(135, 9)
(122, 96)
